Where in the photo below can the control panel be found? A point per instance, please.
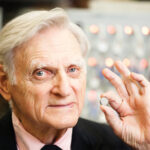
(116, 36)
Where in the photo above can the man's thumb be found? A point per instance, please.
(113, 119)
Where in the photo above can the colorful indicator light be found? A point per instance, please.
(111, 29)
(109, 62)
(92, 61)
(127, 62)
(128, 30)
(145, 30)
(143, 63)
(92, 95)
(94, 29)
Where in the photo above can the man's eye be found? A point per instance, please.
(72, 69)
(40, 73)
(74, 72)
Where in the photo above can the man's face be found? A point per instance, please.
(50, 79)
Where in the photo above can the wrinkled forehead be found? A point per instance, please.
(52, 38)
(51, 47)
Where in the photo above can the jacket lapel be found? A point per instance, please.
(79, 139)
(7, 135)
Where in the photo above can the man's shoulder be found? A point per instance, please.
(100, 131)
(7, 135)
(5, 125)
(98, 136)
(92, 126)
(5, 122)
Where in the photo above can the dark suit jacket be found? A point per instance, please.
(87, 135)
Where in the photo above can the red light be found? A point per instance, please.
(94, 29)
(111, 30)
(143, 64)
(92, 95)
(128, 30)
(92, 61)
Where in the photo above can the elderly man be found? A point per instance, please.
(43, 77)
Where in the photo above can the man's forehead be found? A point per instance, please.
(61, 43)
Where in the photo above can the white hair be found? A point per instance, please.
(24, 27)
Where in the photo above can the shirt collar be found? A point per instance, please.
(25, 141)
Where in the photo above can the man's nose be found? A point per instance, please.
(62, 85)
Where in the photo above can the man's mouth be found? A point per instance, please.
(69, 105)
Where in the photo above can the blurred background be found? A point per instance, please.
(117, 30)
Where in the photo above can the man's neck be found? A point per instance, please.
(45, 134)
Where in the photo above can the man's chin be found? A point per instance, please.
(63, 122)
(66, 123)
(63, 119)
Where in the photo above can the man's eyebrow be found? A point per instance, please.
(79, 63)
(35, 64)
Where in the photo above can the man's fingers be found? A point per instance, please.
(119, 105)
(114, 100)
(113, 119)
(131, 86)
(140, 79)
(116, 82)
(124, 71)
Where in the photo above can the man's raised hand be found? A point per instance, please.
(132, 103)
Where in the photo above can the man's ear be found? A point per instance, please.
(4, 84)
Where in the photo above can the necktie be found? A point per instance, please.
(50, 147)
